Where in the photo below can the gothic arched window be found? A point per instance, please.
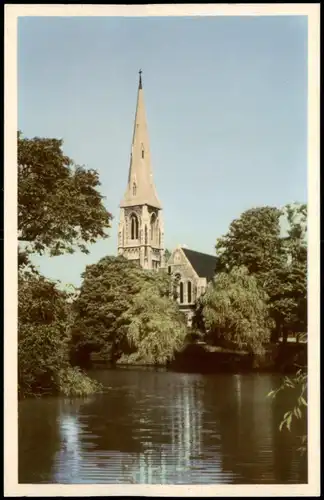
(189, 292)
(181, 292)
(145, 235)
(153, 228)
(134, 227)
(134, 188)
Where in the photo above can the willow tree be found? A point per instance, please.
(234, 308)
(114, 294)
(156, 328)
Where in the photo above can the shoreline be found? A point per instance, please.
(205, 359)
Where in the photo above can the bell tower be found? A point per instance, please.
(141, 227)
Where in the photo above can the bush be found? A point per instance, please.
(44, 341)
(74, 382)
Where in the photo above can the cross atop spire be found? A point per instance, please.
(140, 79)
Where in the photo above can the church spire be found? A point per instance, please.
(141, 225)
(140, 188)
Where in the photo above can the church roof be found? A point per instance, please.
(204, 264)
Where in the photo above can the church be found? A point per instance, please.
(141, 225)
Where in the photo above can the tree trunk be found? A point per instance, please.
(284, 335)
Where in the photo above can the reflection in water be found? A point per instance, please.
(154, 427)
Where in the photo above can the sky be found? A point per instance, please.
(226, 105)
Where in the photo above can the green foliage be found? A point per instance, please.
(289, 303)
(59, 210)
(43, 338)
(72, 381)
(42, 334)
(106, 293)
(253, 241)
(59, 207)
(298, 384)
(234, 308)
(156, 327)
(113, 291)
(278, 262)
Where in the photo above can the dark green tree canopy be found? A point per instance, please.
(288, 287)
(278, 261)
(253, 241)
(42, 334)
(59, 205)
(115, 293)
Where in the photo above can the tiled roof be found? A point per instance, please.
(203, 264)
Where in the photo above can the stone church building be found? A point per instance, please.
(141, 225)
(193, 271)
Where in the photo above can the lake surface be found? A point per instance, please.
(158, 427)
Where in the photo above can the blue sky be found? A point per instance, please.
(226, 103)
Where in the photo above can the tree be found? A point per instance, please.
(287, 284)
(278, 262)
(59, 209)
(43, 340)
(156, 326)
(59, 206)
(253, 241)
(42, 334)
(295, 245)
(104, 309)
(234, 308)
(106, 292)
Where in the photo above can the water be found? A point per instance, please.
(156, 427)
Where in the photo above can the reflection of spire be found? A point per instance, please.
(186, 424)
(153, 465)
(69, 429)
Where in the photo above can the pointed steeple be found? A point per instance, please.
(140, 188)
